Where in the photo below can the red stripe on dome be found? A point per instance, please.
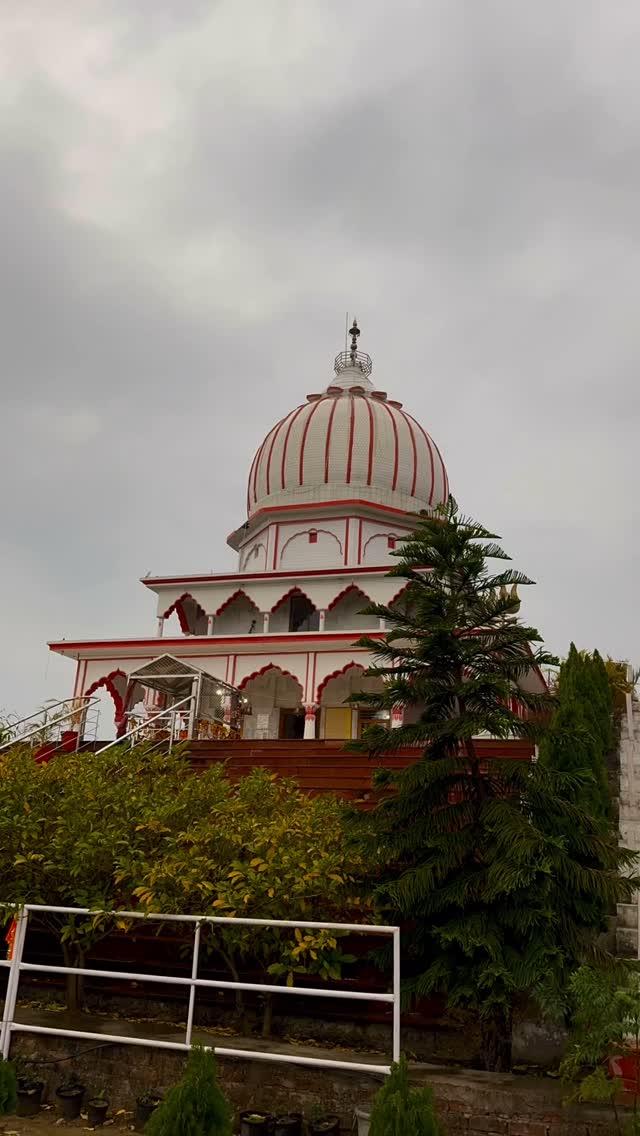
(292, 418)
(430, 449)
(445, 479)
(255, 468)
(372, 440)
(415, 453)
(251, 475)
(327, 447)
(274, 435)
(396, 446)
(314, 407)
(352, 423)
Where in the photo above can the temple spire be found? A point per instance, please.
(354, 332)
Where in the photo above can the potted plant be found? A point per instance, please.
(145, 1105)
(7, 1087)
(255, 1123)
(29, 1094)
(323, 1123)
(70, 1095)
(97, 1109)
(289, 1124)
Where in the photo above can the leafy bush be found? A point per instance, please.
(7, 1088)
(399, 1110)
(196, 1106)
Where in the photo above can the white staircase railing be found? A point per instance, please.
(74, 716)
(162, 728)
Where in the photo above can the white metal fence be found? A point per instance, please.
(16, 966)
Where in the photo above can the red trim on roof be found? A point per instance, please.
(166, 581)
(314, 407)
(292, 418)
(430, 449)
(352, 423)
(415, 452)
(327, 447)
(372, 439)
(396, 451)
(273, 442)
(214, 641)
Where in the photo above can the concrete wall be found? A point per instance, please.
(629, 810)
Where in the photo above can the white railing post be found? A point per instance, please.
(192, 988)
(396, 994)
(12, 983)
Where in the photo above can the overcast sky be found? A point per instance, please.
(193, 194)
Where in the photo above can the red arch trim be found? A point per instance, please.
(239, 594)
(271, 667)
(177, 606)
(295, 591)
(345, 592)
(107, 682)
(336, 674)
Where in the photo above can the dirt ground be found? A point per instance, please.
(47, 1123)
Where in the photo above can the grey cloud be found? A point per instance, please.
(464, 177)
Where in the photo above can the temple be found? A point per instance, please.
(269, 649)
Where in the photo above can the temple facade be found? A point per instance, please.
(332, 489)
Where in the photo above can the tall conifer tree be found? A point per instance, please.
(491, 865)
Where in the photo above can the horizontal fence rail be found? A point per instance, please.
(16, 966)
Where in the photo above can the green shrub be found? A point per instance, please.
(7, 1088)
(399, 1110)
(196, 1106)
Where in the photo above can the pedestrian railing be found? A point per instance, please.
(17, 966)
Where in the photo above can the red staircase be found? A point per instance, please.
(325, 766)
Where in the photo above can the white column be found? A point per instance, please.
(321, 615)
(160, 626)
(310, 712)
(211, 622)
(381, 624)
(265, 623)
(397, 717)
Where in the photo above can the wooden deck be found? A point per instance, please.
(325, 766)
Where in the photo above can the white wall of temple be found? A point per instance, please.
(320, 542)
(230, 607)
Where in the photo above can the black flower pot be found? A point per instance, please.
(254, 1123)
(29, 1096)
(289, 1124)
(144, 1107)
(97, 1112)
(326, 1126)
(71, 1101)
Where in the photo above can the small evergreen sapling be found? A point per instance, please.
(399, 1110)
(7, 1088)
(196, 1106)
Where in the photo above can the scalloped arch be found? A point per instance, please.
(271, 667)
(345, 592)
(107, 681)
(336, 674)
(294, 591)
(178, 607)
(239, 594)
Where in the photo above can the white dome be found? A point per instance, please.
(349, 443)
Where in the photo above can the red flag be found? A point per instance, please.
(10, 938)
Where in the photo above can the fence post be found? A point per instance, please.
(192, 989)
(12, 983)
